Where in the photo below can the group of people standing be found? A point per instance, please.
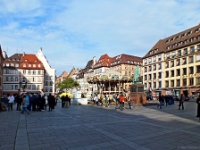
(165, 100)
(27, 102)
(66, 101)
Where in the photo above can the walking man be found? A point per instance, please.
(182, 99)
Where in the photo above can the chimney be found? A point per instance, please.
(94, 60)
(41, 48)
(23, 53)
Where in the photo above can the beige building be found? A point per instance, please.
(172, 65)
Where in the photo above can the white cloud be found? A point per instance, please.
(72, 32)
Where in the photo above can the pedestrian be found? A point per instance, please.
(161, 100)
(5, 102)
(181, 101)
(198, 106)
(11, 100)
(18, 101)
(130, 102)
(51, 102)
(106, 101)
(121, 100)
(25, 104)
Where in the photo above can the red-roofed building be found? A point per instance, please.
(102, 64)
(31, 73)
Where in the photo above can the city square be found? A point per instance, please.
(92, 127)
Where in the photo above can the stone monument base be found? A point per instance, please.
(137, 94)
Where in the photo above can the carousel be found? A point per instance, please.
(110, 82)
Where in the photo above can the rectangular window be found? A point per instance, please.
(185, 51)
(29, 72)
(29, 87)
(24, 65)
(33, 87)
(166, 83)
(154, 76)
(29, 65)
(167, 74)
(172, 73)
(145, 77)
(16, 87)
(11, 87)
(16, 65)
(191, 59)
(198, 80)
(198, 47)
(198, 69)
(191, 81)
(184, 71)
(184, 82)
(159, 75)
(160, 84)
(184, 60)
(159, 57)
(154, 59)
(191, 70)
(145, 69)
(192, 49)
(39, 65)
(172, 83)
(154, 85)
(179, 53)
(178, 72)
(149, 76)
(149, 60)
(24, 71)
(149, 68)
(178, 82)
(197, 58)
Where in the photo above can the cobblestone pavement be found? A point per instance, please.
(94, 127)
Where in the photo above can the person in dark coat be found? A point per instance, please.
(181, 101)
(18, 100)
(161, 101)
(198, 106)
(63, 101)
(39, 103)
(51, 102)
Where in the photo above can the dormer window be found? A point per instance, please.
(29, 65)
(26, 60)
(34, 65)
(24, 65)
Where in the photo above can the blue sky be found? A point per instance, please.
(71, 32)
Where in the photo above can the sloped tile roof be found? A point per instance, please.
(176, 41)
(125, 58)
(31, 59)
(104, 61)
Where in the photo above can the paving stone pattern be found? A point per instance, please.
(100, 128)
